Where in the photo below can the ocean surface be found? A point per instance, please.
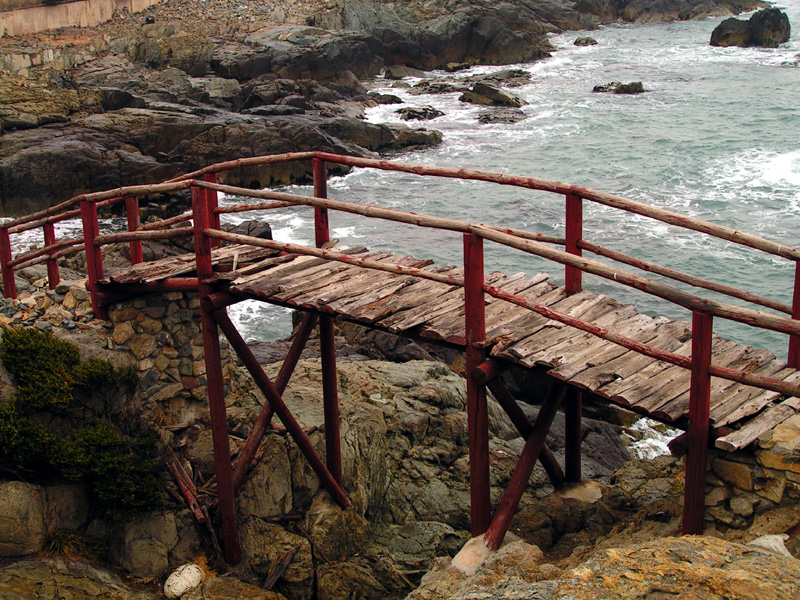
(716, 136)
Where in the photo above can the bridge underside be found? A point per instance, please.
(439, 313)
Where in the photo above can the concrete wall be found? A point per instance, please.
(82, 13)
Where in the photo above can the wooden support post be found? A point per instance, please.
(213, 203)
(520, 421)
(216, 391)
(281, 410)
(794, 340)
(573, 234)
(477, 411)
(132, 212)
(53, 276)
(330, 391)
(522, 472)
(694, 489)
(265, 416)
(573, 435)
(94, 256)
(9, 283)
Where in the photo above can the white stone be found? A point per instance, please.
(183, 579)
(772, 543)
(474, 553)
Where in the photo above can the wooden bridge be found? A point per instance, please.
(677, 372)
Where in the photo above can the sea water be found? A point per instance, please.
(715, 136)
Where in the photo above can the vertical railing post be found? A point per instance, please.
(201, 215)
(573, 234)
(694, 489)
(94, 255)
(794, 340)
(573, 436)
(477, 412)
(330, 386)
(9, 283)
(212, 198)
(132, 212)
(53, 276)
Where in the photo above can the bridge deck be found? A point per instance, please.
(410, 306)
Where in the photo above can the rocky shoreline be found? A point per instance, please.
(184, 84)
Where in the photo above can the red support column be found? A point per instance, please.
(132, 212)
(574, 231)
(53, 276)
(522, 472)
(694, 489)
(330, 391)
(94, 256)
(9, 283)
(573, 436)
(212, 198)
(477, 412)
(794, 340)
(216, 391)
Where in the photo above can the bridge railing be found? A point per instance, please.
(208, 234)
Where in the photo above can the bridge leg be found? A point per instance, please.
(216, 391)
(793, 359)
(327, 341)
(522, 472)
(572, 435)
(477, 411)
(9, 283)
(694, 489)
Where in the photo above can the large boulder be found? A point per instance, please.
(766, 29)
(489, 95)
(22, 522)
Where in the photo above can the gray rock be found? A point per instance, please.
(766, 28)
(422, 113)
(22, 521)
(616, 87)
(585, 41)
(482, 93)
(502, 115)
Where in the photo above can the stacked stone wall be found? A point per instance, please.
(742, 485)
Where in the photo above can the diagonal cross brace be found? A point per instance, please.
(522, 472)
(265, 416)
(279, 406)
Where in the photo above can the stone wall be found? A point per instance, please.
(83, 13)
(162, 333)
(742, 485)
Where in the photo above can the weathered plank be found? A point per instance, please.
(767, 420)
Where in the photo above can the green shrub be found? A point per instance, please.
(121, 472)
(43, 366)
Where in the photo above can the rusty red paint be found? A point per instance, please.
(477, 411)
(53, 275)
(573, 437)
(94, 257)
(574, 233)
(699, 405)
(9, 283)
(794, 340)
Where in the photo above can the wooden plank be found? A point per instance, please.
(740, 393)
(588, 346)
(677, 406)
(505, 328)
(282, 270)
(761, 399)
(767, 420)
(658, 389)
(533, 341)
(450, 326)
(255, 267)
(562, 342)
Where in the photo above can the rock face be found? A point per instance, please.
(489, 95)
(766, 29)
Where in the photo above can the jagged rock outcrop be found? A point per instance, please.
(766, 29)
